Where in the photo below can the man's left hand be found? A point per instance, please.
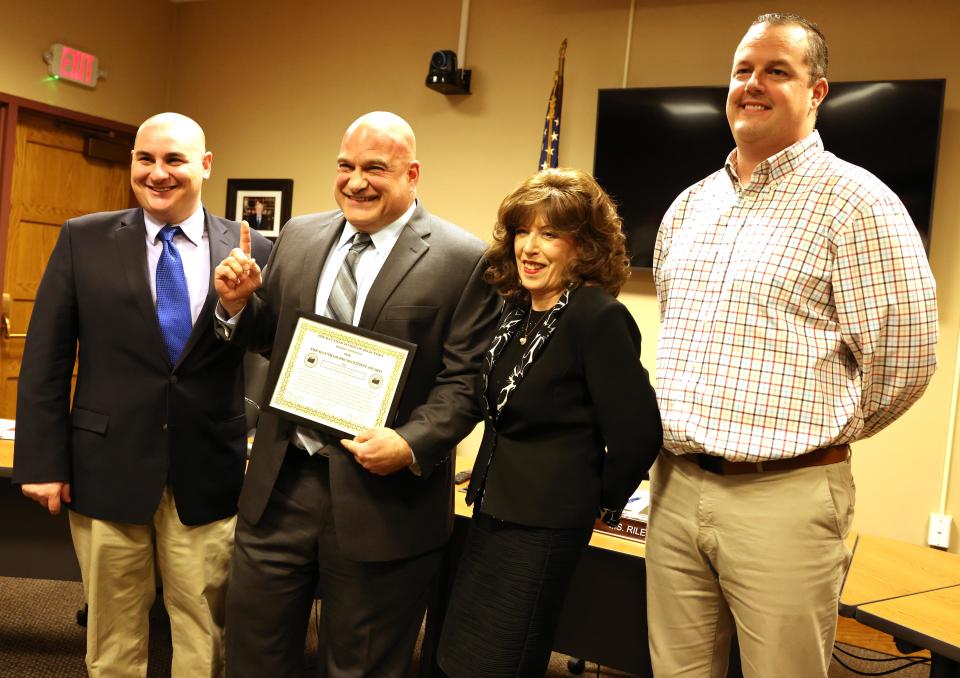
(380, 450)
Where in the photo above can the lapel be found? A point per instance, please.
(130, 239)
(221, 241)
(313, 255)
(510, 321)
(411, 245)
(509, 327)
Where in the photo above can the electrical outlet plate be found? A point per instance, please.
(939, 534)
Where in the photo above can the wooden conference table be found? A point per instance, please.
(911, 592)
(6, 457)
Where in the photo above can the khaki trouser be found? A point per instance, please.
(119, 582)
(763, 552)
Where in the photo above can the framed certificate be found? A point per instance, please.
(339, 378)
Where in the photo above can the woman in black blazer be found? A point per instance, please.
(571, 423)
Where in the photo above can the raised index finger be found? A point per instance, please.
(245, 237)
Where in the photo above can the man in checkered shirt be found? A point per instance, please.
(798, 315)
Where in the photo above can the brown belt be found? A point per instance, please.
(820, 457)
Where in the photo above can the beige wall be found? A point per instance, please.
(131, 39)
(274, 84)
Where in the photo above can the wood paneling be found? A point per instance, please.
(52, 182)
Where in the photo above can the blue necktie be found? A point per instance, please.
(173, 299)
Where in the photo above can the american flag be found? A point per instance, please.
(550, 148)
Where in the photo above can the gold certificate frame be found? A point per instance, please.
(339, 378)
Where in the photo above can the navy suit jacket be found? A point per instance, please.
(136, 423)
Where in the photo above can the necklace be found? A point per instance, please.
(527, 330)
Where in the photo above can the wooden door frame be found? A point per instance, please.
(10, 109)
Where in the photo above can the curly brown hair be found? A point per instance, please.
(571, 202)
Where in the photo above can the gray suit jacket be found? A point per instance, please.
(428, 292)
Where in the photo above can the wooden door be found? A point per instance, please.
(53, 181)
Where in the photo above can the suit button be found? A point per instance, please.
(173, 379)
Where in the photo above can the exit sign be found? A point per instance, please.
(68, 63)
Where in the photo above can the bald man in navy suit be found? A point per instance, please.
(149, 456)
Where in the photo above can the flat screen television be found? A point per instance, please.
(652, 143)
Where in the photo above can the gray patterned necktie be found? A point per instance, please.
(340, 306)
(343, 295)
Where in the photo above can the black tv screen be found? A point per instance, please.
(652, 143)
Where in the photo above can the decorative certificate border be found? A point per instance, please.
(323, 352)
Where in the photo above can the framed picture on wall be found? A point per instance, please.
(262, 203)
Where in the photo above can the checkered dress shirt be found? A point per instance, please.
(797, 311)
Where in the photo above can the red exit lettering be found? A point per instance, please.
(76, 65)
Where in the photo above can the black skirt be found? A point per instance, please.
(507, 598)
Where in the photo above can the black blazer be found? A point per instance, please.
(542, 461)
(137, 422)
(429, 292)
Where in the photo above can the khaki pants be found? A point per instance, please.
(762, 551)
(119, 582)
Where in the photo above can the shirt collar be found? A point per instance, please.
(192, 226)
(383, 239)
(780, 164)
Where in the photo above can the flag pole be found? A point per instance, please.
(550, 145)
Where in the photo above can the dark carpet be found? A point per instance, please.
(40, 638)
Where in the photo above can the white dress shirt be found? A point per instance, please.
(368, 265)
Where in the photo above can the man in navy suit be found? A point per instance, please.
(257, 219)
(149, 457)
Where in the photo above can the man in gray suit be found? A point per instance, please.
(367, 518)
